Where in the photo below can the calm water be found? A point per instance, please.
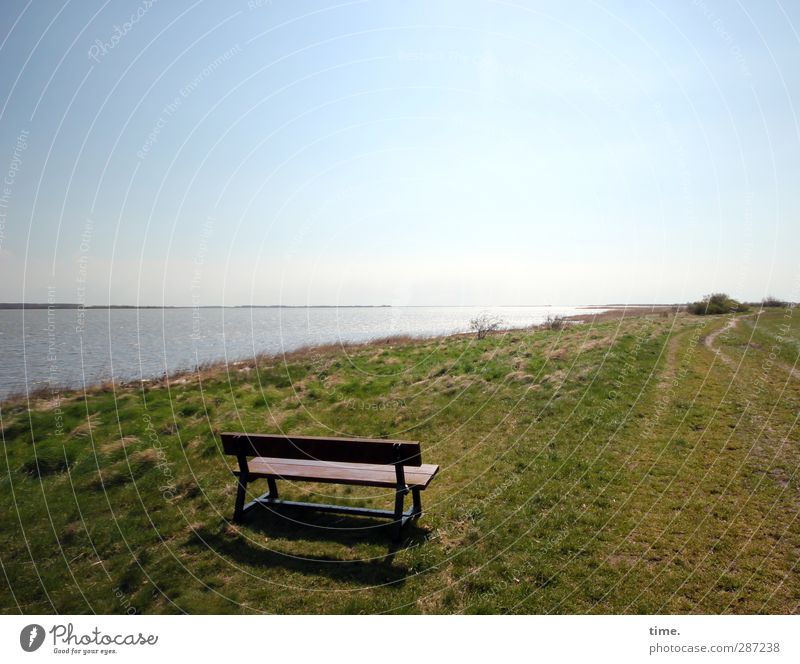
(68, 347)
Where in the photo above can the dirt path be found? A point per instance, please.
(671, 360)
(708, 340)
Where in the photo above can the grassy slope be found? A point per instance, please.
(611, 467)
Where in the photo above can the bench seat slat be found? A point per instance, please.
(359, 474)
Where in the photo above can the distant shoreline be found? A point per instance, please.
(209, 367)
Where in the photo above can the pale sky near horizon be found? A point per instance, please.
(417, 152)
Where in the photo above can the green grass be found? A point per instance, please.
(614, 467)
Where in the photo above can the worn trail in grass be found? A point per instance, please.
(619, 466)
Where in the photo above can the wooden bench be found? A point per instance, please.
(395, 464)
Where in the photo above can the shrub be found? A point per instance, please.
(483, 324)
(716, 303)
(770, 301)
(554, 323)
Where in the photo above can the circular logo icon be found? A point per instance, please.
(31, 637)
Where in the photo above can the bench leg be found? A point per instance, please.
(273, 488)
(397, 526)
(241, 492)
(415, 494)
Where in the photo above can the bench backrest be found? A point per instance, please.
(347, 450)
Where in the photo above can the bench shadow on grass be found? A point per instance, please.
(291, 525)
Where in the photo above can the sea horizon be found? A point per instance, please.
(10, 306)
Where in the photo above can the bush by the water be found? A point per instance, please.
(484, 324)
(716, 303)
(554, 323)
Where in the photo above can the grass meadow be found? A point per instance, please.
(647, 464)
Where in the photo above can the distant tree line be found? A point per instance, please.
(722, 303)
(773, 302)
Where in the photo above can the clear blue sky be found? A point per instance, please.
(413, 152)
